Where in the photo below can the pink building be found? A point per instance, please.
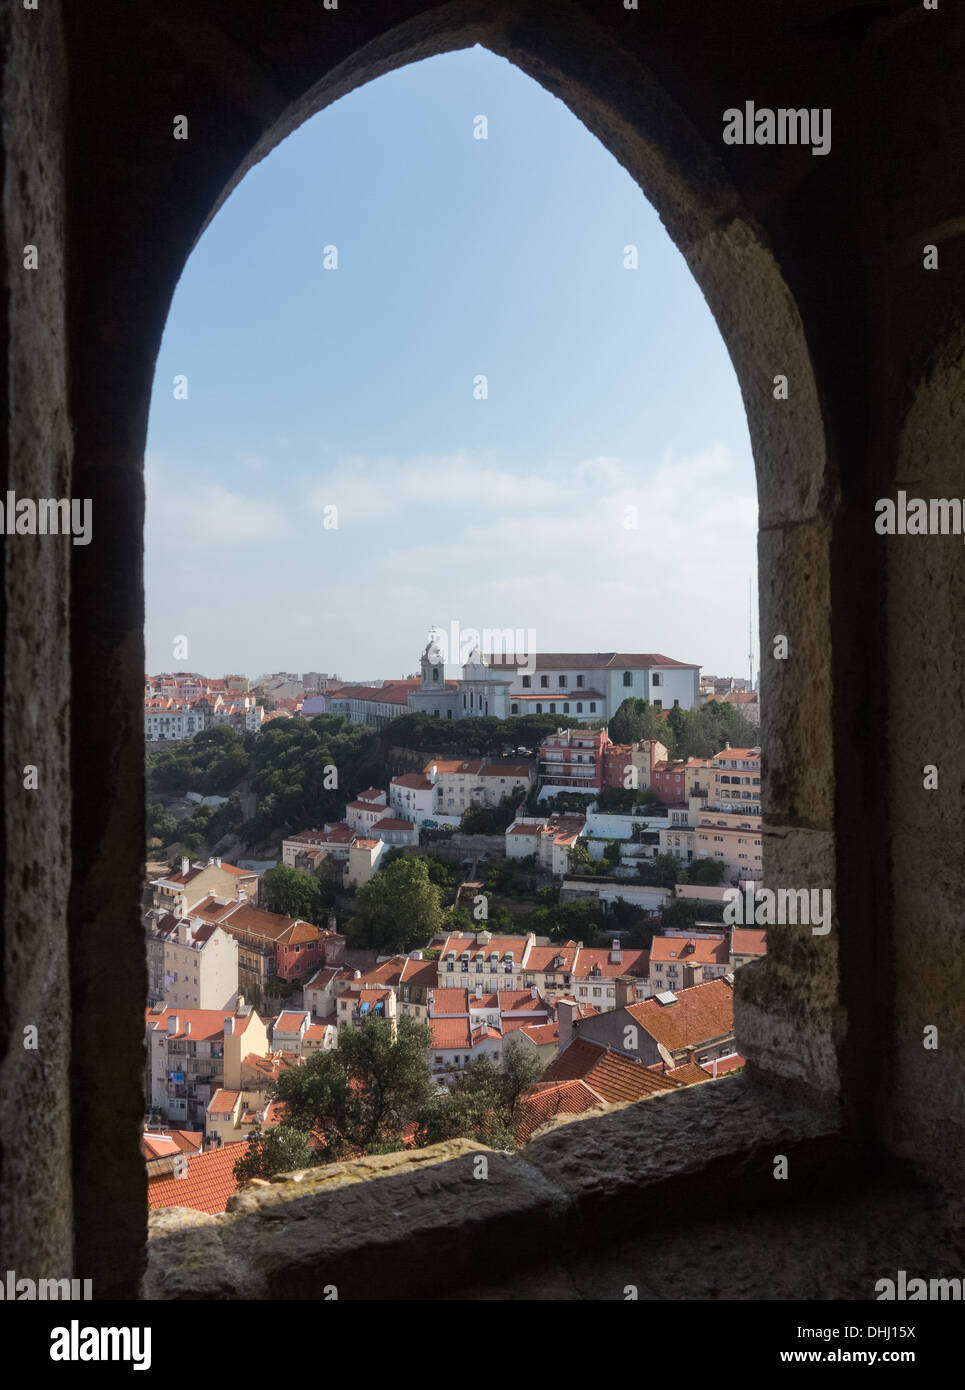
(572, 760)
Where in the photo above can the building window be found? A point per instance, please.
(562, 682)
(656, 679)
(552, 709)
(514, 709)
(544, 681)
(593, 707)
(539, 708)
(527, 682)
(579, 681)
(566, 709)
(628, 678)
(579, 707)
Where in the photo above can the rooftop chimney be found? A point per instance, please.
(566, 1010)
(532, 991)
(479, 991)
(173, 1022)
(185, 865)
(229, 1027)
(217, 862)
(616, 953)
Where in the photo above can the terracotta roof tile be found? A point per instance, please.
(613, 1075)
(207, 1185)
(700, 1013)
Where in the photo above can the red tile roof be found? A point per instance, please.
(632, 962)
(595, 661)
(289, 1022)
(723, 1065)
(542, 1033)
(613, 1075)
(223, 1102)
(748, 941)
(551, 1098)
(206, 1186)
(161, 1143)
(206, 1024)
(449, 1032)
(700, 1013)
(694, 949)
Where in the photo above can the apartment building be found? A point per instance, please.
(191, 963)
(191, 1053)
(734, 838)
(410, 978)
(737, 780)
(676, 781)
(516, 963)
(270, 944)
(233, 1116)
(693, 1025)
(371, 705)
(678, 962)
(461, 784)
(571, 760)
(610, 978)
(495, 962)
(180, 892)
(470, 1023)
(320, 991)
(295, 1032)
(334, 840)
(356, 1003)
(550, 839)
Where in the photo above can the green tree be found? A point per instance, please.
(281, 1149)
(635, 720)
(483, 1102)
(709, 872)
(579, 858)
(398, 909)
(662, 871)
(360, 1097)
(295, 894)
(679, 913)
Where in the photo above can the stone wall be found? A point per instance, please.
(813, 269)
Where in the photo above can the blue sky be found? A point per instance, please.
(353, 388)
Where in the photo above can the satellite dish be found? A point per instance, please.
(665, 1056)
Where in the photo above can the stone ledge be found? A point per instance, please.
(420, 1225)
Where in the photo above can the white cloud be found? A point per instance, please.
(182, 514)
(452, 537)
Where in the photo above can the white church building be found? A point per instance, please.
(582, 685)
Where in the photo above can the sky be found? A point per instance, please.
(335, 484)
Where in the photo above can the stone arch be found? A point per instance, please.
(789, 1017)
(89, 164)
